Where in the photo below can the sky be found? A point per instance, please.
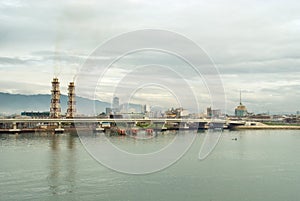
(255, 45)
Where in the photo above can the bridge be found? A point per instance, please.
(23, 124)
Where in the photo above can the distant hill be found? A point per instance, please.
(16, 103)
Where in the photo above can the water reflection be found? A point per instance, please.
(62, 164)
(71, 163)
(260, 165)
(54, 164)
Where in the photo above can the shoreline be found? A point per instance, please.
(262, 126)
(266, 128)
(72, 130)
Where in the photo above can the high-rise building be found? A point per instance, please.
(146, 109)
(116, 105)
(71, 101)
(108, 111)
(55, 109)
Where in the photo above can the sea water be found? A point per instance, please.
(245, 165)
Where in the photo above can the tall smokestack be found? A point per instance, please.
(55, 109)
(71, 102)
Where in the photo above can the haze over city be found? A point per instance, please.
(255, 45)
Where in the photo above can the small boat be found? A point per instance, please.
(59, 130)
(149, 131)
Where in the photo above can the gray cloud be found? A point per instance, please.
(16, 60)
(255, 44)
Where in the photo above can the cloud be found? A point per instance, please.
(255, 44)
(16, 61)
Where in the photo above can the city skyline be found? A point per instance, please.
(255, 50)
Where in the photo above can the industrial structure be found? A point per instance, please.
(71, 101)
(55, 110)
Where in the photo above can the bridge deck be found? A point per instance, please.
(96, 120)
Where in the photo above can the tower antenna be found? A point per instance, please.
(240, 97)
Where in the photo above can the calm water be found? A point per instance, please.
(260, 165)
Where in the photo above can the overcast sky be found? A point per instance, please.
(254, 44)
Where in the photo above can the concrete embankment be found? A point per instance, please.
(265, 126)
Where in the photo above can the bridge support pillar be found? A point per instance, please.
(59, 129)
(14, 124)
(14, 128)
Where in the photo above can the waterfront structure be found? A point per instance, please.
(57, 124)
(71, 101)
(240, 110)
(55, 110)
(38, 114)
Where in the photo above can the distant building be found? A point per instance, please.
(102, 115)
(182, 113)
(156, 114)
(213, 113)
(36, 114)
(116, 105)
(177, 113)
(116, 116)
(240, 110)
(146, 109)
(171, 113)
(108, 111)
(260, 117)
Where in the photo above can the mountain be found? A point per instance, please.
(16, 103)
